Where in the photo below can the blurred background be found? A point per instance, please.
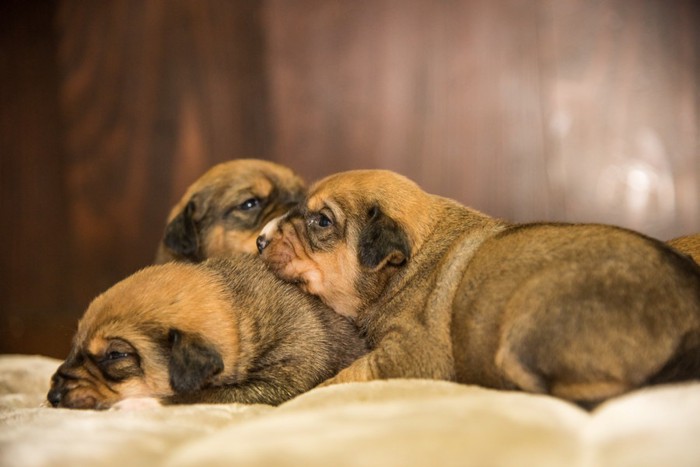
(566, 110)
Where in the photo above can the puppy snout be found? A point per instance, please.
(57, 391)
(266, 233)
(262, 242)
(55, 396)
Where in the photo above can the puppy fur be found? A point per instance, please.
(688, 244)
(225, 330)
(583, 312)
(224, 210)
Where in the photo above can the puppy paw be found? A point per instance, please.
(134, 404)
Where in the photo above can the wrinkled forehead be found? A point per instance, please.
(168, 292)
(234, 175)
(343, 189)
(363, 189)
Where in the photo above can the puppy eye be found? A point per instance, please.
(248, 204)
(324, 221)
(320, 220)
(115, 355)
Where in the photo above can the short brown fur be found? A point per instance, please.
(688, 244)
(583, 312)
(225, 330)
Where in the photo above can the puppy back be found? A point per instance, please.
(289, 333)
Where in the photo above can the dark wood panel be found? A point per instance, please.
(621, 87)
(33, 267)
(153, 94)
(562, 110)
(444, 92)
(110, 110)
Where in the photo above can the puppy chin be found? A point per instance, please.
(279, 264)
(86, 402)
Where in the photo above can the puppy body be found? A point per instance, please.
(225, 330)
(688, 244)
(584, 312)
(224, 210)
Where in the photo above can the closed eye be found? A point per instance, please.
(115, 355)
(118, 350)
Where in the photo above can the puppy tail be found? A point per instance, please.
(684, 365)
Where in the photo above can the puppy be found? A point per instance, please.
(224, 210)
(583, 312)
(689, 244)
(225, 330)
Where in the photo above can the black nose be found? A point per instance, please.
(54, 397)
(262, 242)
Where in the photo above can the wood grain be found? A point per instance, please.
(153, 94)
(33, 232)
(529, 110)
(621, 86)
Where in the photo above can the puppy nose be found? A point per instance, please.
(54, 397)
(262, 242)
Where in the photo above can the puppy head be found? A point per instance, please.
(224, 210)
(354, 231)
(689, 245)
(144, 337)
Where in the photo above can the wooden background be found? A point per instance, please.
(576, 110)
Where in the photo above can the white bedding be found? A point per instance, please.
(384, 423)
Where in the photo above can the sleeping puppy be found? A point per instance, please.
(224, 210)
(688, 244)
(583, 312)
(225, 330)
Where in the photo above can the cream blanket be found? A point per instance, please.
(383, 423)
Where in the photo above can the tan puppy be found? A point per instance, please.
(583, 312)
(688, 244)
(224, 210)
(225, 330)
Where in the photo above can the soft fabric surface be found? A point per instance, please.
(383, 423)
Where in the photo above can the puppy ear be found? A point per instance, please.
(181, 234)
(382, 242)
(192, 362)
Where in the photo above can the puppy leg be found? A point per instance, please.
(360, 370)
(530, 380)
(559, 336)
(414, 353)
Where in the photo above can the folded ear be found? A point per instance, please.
(181, 234)
(192, 362)
(382, 242)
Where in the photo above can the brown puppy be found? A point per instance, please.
(224, 210)
(688, 244)
(583, 312)
(225, 330)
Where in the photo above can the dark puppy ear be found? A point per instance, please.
(382, 241)
(181, 234)
(192, 362)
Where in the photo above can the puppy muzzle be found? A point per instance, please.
(72, 392)
(265, 236)
(55, 396)
(261, 243)
(59, 389)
